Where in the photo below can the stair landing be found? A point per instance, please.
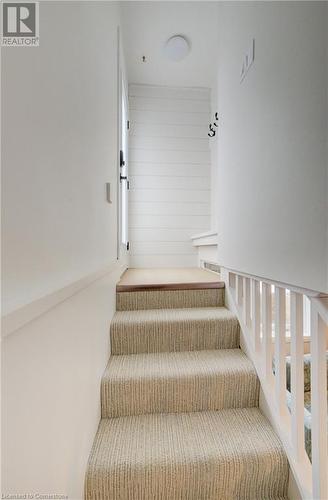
(168, 279)
(167, 288)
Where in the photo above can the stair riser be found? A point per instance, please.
(136, 397)
(174, 336)
(169, 299)
(208, 481)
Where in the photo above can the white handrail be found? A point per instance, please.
(309, 292)
(261, 307)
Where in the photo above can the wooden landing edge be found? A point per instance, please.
(170, 286)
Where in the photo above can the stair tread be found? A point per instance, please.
(231, 453)
(173, 315)
(184, 381)
(182, 364)
(163, 330)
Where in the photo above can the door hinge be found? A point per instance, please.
(128, 185)
(128, 245)
(128, 124)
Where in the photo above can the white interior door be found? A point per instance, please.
(123, 167)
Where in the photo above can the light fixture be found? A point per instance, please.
(177, 48)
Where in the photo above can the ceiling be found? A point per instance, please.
(146, 26)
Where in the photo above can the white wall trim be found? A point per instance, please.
(207, 247)
(208, 238)
(23, 315)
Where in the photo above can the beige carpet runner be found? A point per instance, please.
(179, 402)
(166, 330)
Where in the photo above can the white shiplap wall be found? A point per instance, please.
(169, 170)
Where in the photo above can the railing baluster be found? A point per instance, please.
(232, 280)
(247, 301)
(319, 334)
(297, 373)
(256, 314)
(267, 329)
(239, 290)
(280, 349)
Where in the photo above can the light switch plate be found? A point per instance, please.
(108, 192)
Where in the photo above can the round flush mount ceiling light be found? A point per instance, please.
(177, 48)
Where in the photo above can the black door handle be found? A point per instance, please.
(122, 162)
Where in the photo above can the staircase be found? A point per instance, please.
(179, 401)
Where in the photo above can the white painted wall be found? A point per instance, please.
(272, 203)
(51, 371)
(59, 150)
(169, 165)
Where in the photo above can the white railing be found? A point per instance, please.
(272, 319)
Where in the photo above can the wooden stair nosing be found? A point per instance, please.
(170, 286)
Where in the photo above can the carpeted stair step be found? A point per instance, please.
(178, 382)
(224, 455)
(151, 297)
(163, 330)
